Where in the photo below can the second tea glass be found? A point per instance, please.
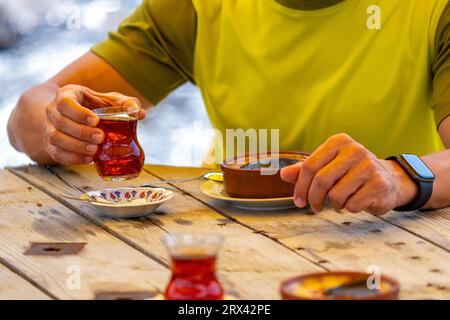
(193, 267)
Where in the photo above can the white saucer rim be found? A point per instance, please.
(131, 205)
(240, 200)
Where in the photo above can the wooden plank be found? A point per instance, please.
(14, 287)
(105, 264)
(350, 241)
(431, 225)
(251, 265)
(434, 226)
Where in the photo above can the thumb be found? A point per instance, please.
(134, 104)
(290, 173)
(142, 114)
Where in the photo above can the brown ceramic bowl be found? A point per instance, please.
(246, 176)
(340, 285)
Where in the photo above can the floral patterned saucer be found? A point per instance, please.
(127, 202)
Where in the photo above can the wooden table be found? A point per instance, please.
(261, 248)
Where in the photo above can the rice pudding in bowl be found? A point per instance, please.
(340, 285)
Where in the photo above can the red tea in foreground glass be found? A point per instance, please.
(193, 267)
(120, 156)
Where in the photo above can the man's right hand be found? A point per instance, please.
(70, 135)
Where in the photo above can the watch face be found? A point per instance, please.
(418, 166)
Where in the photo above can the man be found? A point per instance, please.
(369, 77)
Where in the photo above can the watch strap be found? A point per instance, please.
(425, 189)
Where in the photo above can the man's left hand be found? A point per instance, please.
(351, 177)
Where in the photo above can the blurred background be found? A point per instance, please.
(40, 37)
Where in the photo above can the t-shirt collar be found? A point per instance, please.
(308, 4)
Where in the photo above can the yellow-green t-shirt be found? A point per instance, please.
(378, 70)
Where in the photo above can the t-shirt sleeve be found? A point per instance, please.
(153, 48)
(441, 69)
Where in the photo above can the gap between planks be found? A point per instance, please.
(132, 243)
(194, 196)
(418, 235)
(423, 234)
(53, 193)
(23, 222)
(89, 218)
(225, 215)
(275, 239)
(202, 202)
(25, 277)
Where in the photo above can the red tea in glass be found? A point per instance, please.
(193, 267)
(120, 156)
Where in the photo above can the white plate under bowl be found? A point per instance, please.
(128, 202)
(216, 190)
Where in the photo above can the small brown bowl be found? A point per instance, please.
(244, 177)
(340, 285)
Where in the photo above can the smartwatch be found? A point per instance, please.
(418, 171)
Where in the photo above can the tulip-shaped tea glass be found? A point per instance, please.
(193, 267)
(120, 156)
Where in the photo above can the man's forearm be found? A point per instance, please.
(26, 124)
(439, 163)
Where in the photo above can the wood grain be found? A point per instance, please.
(413, 250)
(434, 226)
(251, 265)
(14, 287)
(331, 240)
(105, 264)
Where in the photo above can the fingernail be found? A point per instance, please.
(299, 202)
(88, 159)
(92, 121)
(92, 148)
(97, 137)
